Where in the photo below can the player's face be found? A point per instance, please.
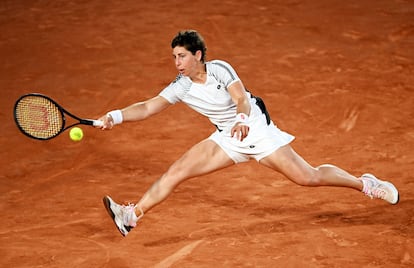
(185, 61)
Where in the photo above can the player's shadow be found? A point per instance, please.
(397, 218)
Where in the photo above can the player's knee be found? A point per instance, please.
(172, 178)
(310, 179)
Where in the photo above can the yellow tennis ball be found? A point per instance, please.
(76, 134)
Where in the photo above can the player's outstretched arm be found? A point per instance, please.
(135, 112)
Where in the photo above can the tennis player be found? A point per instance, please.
(243, 131)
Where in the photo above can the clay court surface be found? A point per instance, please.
(339, 75)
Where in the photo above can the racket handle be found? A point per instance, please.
(97, 123)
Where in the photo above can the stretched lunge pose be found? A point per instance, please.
(244, 131)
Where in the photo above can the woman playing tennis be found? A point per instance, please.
(244, 130)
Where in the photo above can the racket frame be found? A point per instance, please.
(62, 112)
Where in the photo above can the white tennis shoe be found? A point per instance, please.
(376, 188)
(123, 216)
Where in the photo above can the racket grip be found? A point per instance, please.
(97, 123)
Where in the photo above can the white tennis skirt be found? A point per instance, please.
(262, 140)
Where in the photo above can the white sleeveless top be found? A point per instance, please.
(210, 99)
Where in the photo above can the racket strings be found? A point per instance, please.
(39, 117)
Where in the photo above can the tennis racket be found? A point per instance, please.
(39, 117)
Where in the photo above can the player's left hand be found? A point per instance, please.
(240, 130)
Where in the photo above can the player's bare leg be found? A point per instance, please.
(203, 158)
(295, 168)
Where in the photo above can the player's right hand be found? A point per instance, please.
(108, 122)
